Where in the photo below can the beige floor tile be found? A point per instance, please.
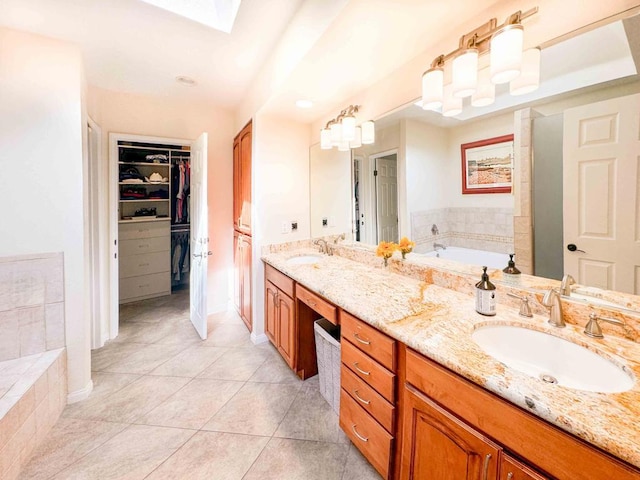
(228, 335)
(311, 418)
(104, 384)
(136, 399)
(236, 364)
(111, 353)
(212, 455)
(358, 468)
(183, 333)
(257, 409)
(274, 370)
(193, 405)
(190, 362)
(145, 359)
(69, 440)
(132, 454)
(299, 460)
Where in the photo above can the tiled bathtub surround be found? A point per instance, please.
(489, 229)
(31, 305)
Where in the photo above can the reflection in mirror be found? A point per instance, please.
(587, 69)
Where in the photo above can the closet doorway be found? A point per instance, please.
(158, 226)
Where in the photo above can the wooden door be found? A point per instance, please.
(438, 446)
(387, 198)
(286, 328)
(512, 469)
(199, 245)
(245, 282)
(271, 316)
(600, 182)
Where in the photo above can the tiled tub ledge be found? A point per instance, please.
(33, 392)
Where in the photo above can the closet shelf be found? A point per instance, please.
(144, 184)
(146, 164)
(144, 220)
(146, 200)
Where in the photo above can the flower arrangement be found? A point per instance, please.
(385, 250)
(405, 246)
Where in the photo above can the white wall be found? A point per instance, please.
(165, 117)
(41, 129)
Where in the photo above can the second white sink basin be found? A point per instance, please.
(304, 259)
(552, 359)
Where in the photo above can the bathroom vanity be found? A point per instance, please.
(420, 399)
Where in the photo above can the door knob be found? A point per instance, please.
(572, 248)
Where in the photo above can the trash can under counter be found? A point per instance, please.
(327, 336)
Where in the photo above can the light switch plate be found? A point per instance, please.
(285, 227)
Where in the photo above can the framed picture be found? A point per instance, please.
(487, 165)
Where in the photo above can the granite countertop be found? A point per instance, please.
(438, 322)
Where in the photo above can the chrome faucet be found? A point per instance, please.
(322, 245)
(438, 245)
(552, 301)
(565, 286)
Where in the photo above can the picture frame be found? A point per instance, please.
(487, 165)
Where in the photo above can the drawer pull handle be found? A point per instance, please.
(360, 399)
(355, 365)
(485, 468)
(364, 439)
(143, 245)
(365, 342)
(312, 303)
(510, 476)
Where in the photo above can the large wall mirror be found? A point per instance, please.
(410, 181)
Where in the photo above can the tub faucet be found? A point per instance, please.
(436, 246)
(322, 245)
(551, 300)
(565, 286)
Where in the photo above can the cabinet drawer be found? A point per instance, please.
(374, 374)
(144, 264)
(317, 303)
(366, 434)
(371, 341)
(155, 283)
(512, 469)
(143, 230)
(368, 399)
(144, 245)
(279, 279)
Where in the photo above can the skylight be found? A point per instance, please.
(218, 14)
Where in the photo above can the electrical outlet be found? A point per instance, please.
(294, 225)
(285, 227)
(325, 222)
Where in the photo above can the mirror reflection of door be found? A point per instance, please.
(386, 191)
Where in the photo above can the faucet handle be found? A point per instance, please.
(593, 329)
(525, 309)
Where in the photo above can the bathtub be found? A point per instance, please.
(473, 257)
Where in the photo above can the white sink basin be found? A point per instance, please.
(304, 259)
(552, 359)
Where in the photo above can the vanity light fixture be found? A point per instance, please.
(342, 131)
(508, 63)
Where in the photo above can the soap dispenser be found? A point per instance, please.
(485, 295)
(511, 274)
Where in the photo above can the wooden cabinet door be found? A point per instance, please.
(438, 446)
(271, 316)
(237, 271)
(512, 469)
(242, 180)
(237, 188)
(245, 300)
(286, 328)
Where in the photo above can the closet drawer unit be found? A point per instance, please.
(370, 371)
(129, 231)
(156, 283)
(374, 343)
(144, 264)
(366, 434)
(144, 245)
(317, 303)
(370, 400)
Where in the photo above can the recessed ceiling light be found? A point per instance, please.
(304, 104)
(188, 81)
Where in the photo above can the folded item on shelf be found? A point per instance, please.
(129, 173)
(132, 180)
(157, 158)
(133, 193)
(163, 194)
(145, 212)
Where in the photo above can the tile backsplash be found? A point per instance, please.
(480, 228)
(31, 304)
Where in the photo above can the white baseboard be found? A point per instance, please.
(79, 395)
(258, 339)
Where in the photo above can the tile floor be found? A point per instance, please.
(167, 405)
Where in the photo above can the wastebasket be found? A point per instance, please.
(327, 336)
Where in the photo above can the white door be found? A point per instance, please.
(601, 204)
(386, 173)
(199, 244)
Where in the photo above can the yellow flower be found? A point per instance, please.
(405, 245)
(386, 249)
